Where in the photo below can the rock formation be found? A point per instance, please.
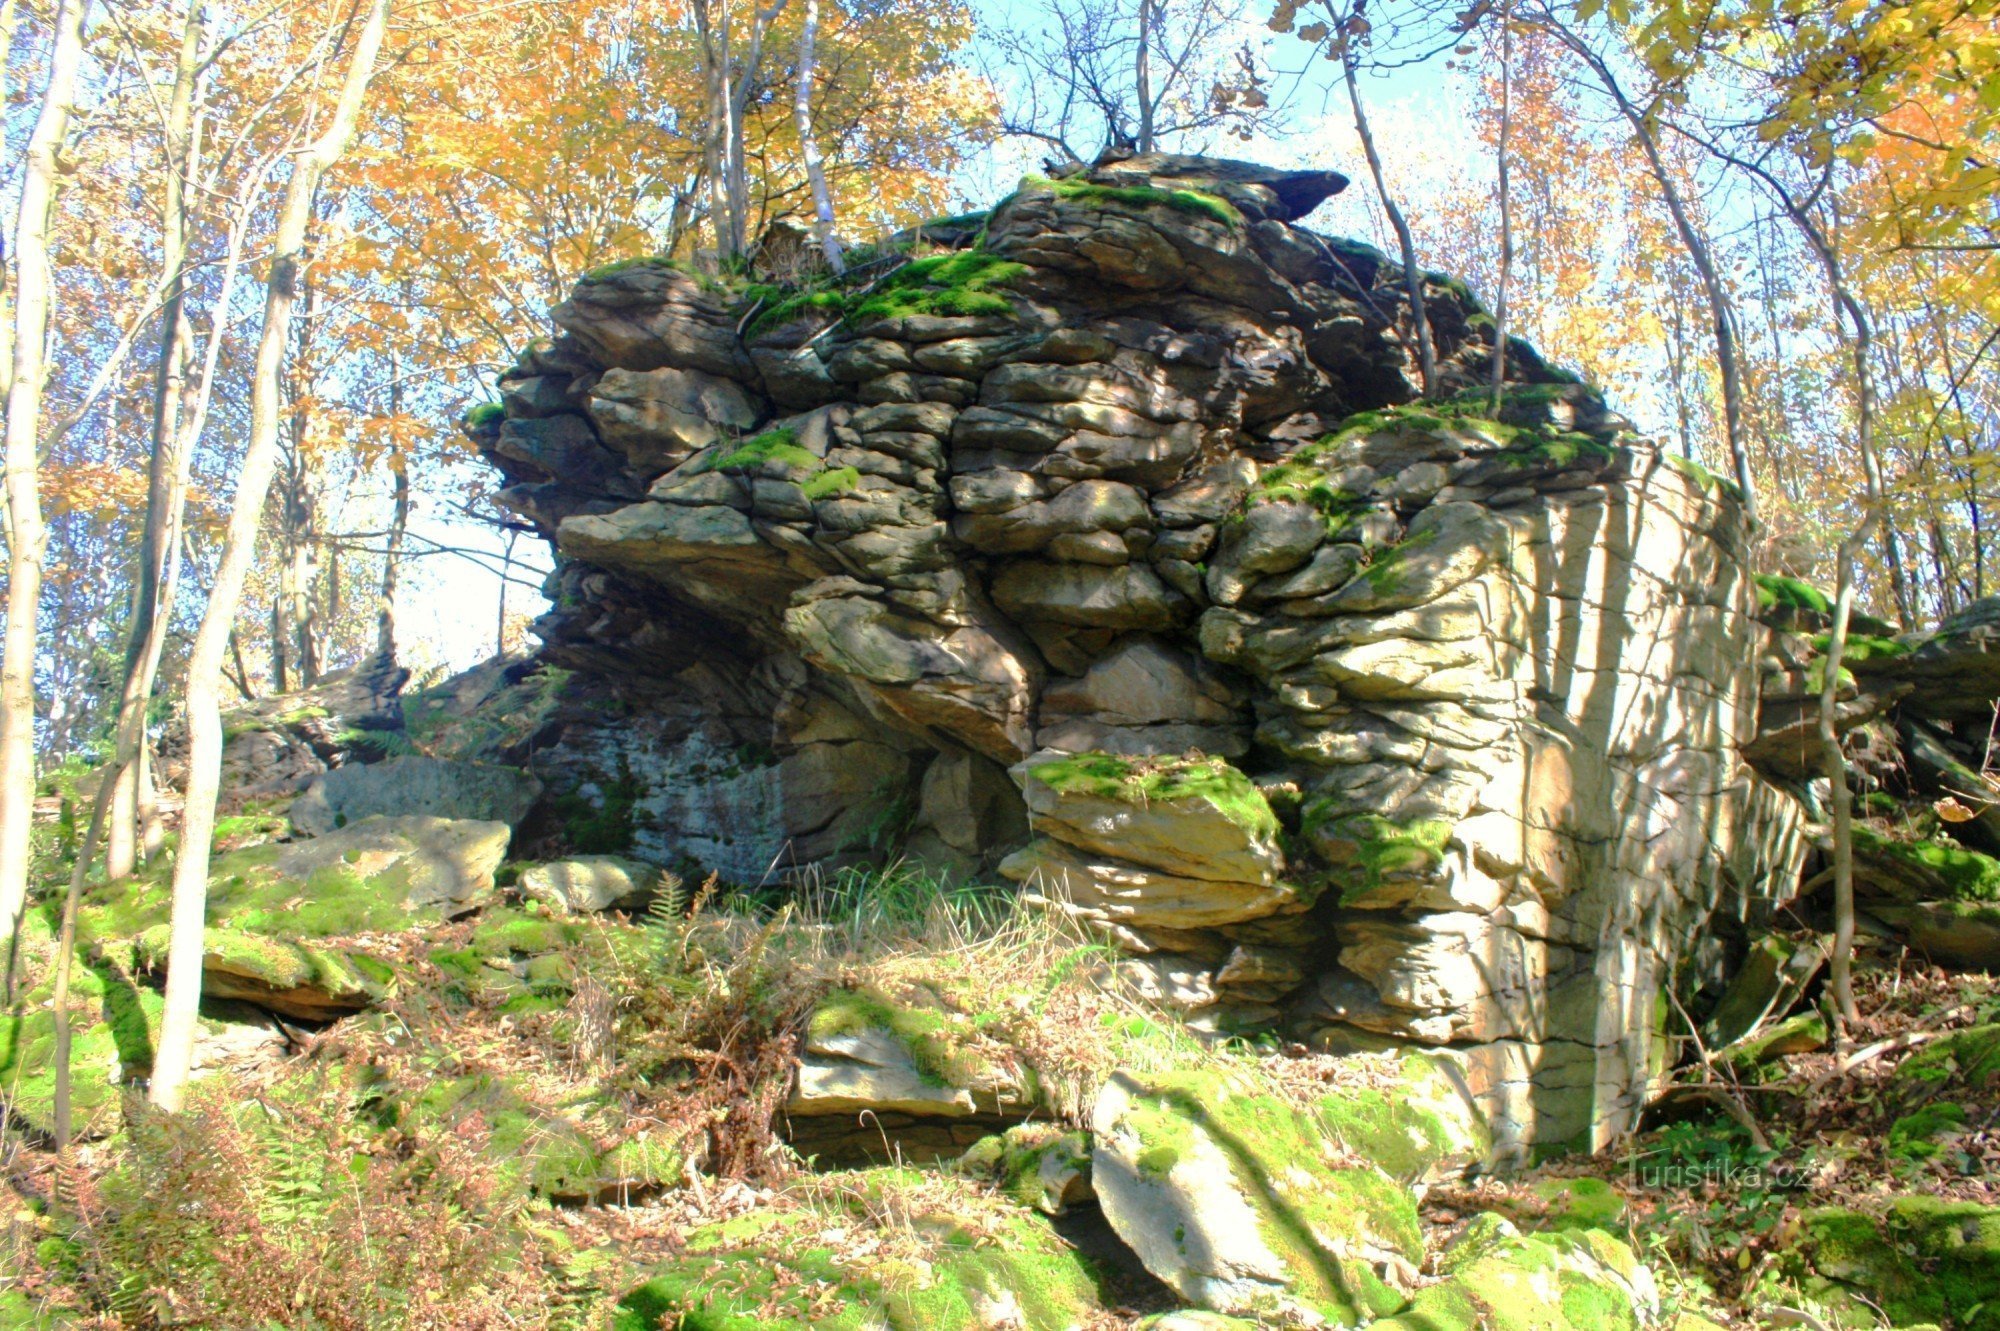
(1111, 533)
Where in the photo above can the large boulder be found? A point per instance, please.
(1348, 705)
(406, 786)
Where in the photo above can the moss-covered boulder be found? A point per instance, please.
(113, 1025)
(292, 979)
(881, 1072)
(895, 1251)
(378, 875)
(1920, 1262)
(1247, 1205)
(1966, 1061)
(1498, 1279)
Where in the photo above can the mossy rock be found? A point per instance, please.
(966, 1266)
(379, 875)
(1037, 1165)
(1923, 870)
(292, 979)
(1578, 1203)
(1498, 1279)
(1161, 781)
(1246, 1205)
(1967, 1060)
(1420, 1128)
(1370, 857)
(1922, 1261)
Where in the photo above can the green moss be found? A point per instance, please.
(1194, 202)
(114, 1022)
(1969, 1058)
(1408, 1130)
(827, 484)
(1914, 1136)
(1146, 781)
(773, 446)
(1862, 648)
(1366, 850)
(937, 1043)
(1921, 1261)
(1966, 875)
(1580, 1203)
(485, 414)
(1775, 590)
(772, 1270)
(959, 284)
(1314, 1216)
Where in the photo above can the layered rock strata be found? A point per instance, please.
(1113, 535)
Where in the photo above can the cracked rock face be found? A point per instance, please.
(1116, 542)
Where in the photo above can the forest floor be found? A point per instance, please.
(312, 1186)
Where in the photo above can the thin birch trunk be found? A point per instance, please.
(809, 145)
(182, 147)
(1413, 278)
(26, 537)
(175, 1051)
(1506, 207)
(1143, 76)
(1719, 308)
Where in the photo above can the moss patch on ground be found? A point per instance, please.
(1155, 780)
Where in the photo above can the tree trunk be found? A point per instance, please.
(175, 1051)
(25, 535)
(392, 561)
(169, 390)
(809, 145)
(1506, 208)
(1698, 253)
(1413, 278)
(1143, 76)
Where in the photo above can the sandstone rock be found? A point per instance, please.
(416, 864)
(1198, 819)
(588, 883)
(1152, 500)
(1245, 1206)
(871, 1063)
(407, 786)
(656, 418)
(1099, 886)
